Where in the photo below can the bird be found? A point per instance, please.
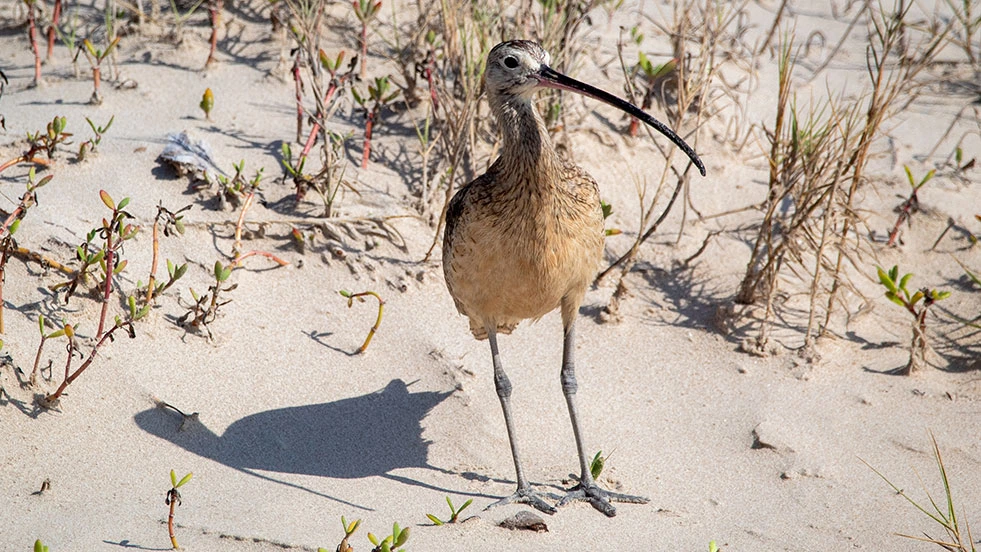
(526, 238)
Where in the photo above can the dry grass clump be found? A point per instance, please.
(700, 36)
(812, 228)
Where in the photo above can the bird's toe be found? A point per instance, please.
(529, 497)
(601, 499)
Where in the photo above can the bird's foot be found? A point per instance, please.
(529, 497)
(601, 499)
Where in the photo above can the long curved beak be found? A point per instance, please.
(550, 78)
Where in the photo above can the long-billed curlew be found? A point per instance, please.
(527, 237)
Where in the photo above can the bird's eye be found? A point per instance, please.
(510, 62)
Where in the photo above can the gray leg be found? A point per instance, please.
(586, 489)
(524, 494)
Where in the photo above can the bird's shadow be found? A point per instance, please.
(356, 437)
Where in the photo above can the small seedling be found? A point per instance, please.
(897, 292)
(207, 103)
(93, 144)
(236, 190)
(95, 57)
(454, 513)
(349, 529)
(377, 98)
(48, 142)
(597, 465)
(910, 206)
(173, 500)
(205, 307)
(360, 297)
(398, 538)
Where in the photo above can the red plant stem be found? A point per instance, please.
(26, 158)
(32, 33)
(364, 49)
(634, 125)
(96, 80)
(368, 124)
(55, 16)
(299, 96)
(170, 517)
(238, 260)
(431, 81)
(905, 212)
(109, 269)
(214, 8)
(37, 360)
(88, 362)
(3, 268)
(312, 138)
(71, 354)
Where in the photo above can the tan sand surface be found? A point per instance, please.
(293, 431)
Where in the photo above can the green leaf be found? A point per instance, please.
(39, 547)
(596, 466)
(40, 323)
(185, 479)
(57, 333)
(916, 298)
(373, 539)
(434, 519)
(894, 273)
(895, 299)
(107, 200)
(885, 280)
(940, 295)
(14, 226)
(909, 176)
(402, 538)
(123, 203)
(110, 47)
(173, 478)
(902, 283)
(927, 178)
(607, 209)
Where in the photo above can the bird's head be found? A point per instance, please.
(517, 67)
(514, 68)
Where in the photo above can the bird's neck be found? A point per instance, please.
(527, 147)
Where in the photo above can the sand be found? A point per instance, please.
(294, 431)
